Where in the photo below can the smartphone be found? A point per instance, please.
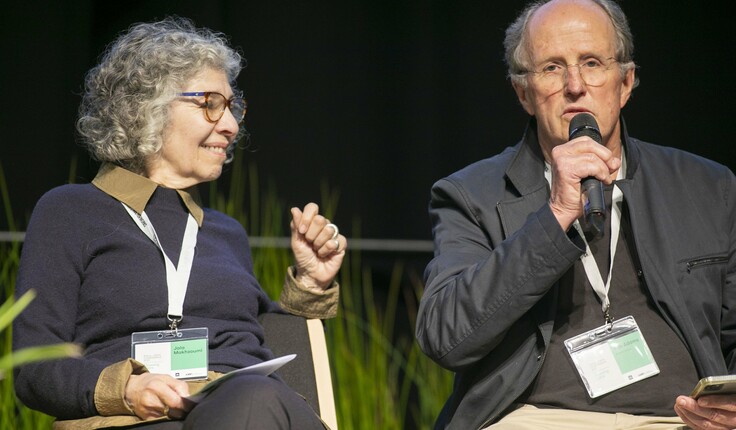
(725, 384)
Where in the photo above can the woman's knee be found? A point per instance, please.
(249, 388)
(252, 401)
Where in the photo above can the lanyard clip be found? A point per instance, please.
(174, 322)
(609, 319)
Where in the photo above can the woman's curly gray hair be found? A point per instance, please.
(124, 108)
(517, 46)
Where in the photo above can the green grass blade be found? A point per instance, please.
(10, 309)
(38, 353)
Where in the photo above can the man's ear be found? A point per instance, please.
(627, 86)
(523, 94)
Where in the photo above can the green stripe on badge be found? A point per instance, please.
(189, 354)
(631, 352)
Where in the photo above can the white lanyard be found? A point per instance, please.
(177, 278)
(591, 267)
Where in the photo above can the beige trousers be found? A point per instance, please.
(528, 417)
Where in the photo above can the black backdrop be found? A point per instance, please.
(378, 98)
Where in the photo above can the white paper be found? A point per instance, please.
(265, 368)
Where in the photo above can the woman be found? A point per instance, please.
(133, 254)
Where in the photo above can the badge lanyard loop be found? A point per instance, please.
(177, 278)
(591, 267)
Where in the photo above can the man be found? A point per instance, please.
(545, 325)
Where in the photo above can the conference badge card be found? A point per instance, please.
(181, 353)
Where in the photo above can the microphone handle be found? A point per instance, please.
(595, 208)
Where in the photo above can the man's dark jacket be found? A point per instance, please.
(491, 290)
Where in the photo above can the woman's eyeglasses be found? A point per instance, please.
(215, 103)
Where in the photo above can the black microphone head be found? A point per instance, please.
(584, 124)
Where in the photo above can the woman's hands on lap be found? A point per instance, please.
(153, 395)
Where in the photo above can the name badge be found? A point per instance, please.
(611, 357)
(181, 353)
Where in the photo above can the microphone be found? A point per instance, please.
(584, 124)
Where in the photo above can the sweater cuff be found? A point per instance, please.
(300, 300)
(110, 388)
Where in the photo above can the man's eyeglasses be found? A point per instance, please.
(552, 76)
(215, 103)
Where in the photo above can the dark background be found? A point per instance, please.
(377, 98)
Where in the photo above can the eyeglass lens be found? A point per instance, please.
(216, 104)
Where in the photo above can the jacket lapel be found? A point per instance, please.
(525, 175)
